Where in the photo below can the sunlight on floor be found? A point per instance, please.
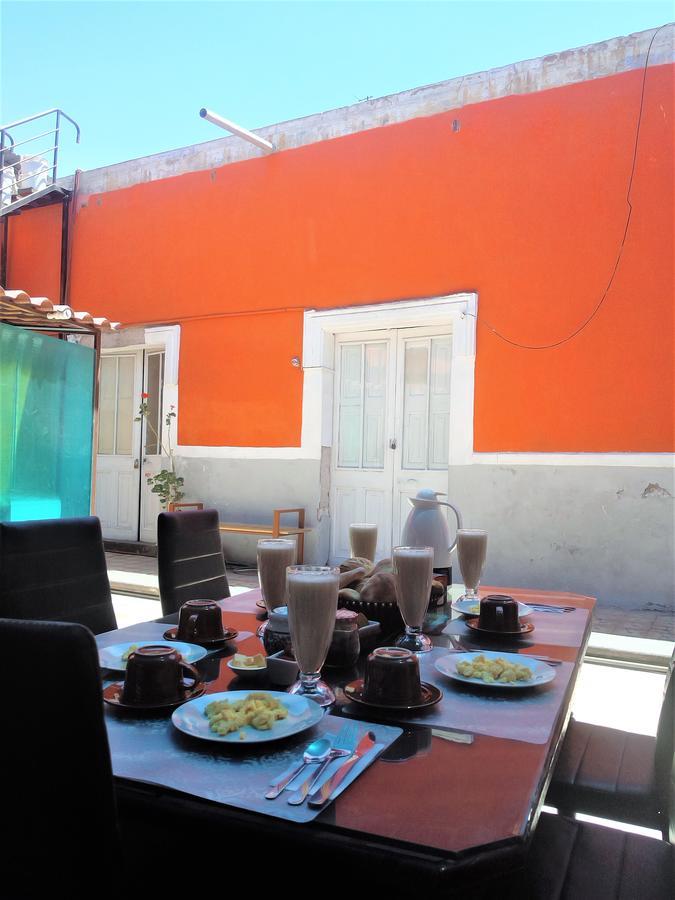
(130, 610)
(618, 698)
(620, 826)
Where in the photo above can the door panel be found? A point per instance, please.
(154, 436)
(118, 466)
(392, 427)
(423, 417)
(362, 470)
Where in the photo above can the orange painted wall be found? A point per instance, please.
(34, 252)
(241, 384)
(526, 205)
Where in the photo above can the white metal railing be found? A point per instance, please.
(21, 175)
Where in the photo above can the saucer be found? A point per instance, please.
(113, 695)
(230, 635)
(430, 696)
(523, 628)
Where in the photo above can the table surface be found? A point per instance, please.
(439, 800)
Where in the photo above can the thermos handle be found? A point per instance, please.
(458, 516)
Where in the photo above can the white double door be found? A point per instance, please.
(129, 446)
(391, 429)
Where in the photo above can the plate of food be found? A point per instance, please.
(472, 608)
(254, 717)
(248, 666)
(115, 657)
(489, 668)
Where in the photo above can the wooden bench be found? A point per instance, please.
(276, 529)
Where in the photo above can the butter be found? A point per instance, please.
(241, 661)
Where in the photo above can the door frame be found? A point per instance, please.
(164, 338)
(457, 312)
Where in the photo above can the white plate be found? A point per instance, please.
(542, 673)
(246, 670)
(111, 657)
(466, 608)
(302, 714)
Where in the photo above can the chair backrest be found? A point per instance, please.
(190, 560)
(55, 569)
(665, 744)
(58, 802)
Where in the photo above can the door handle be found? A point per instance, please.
(136, 463)
(392, 443)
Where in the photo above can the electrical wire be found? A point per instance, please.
(621, 245)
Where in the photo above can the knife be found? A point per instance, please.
(321, 796)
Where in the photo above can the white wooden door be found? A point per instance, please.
(119, 442)
(391, 429)
(363, 415)
(153, 437)
(422, 428)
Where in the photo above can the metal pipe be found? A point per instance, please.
(232, 127)
(56, 146)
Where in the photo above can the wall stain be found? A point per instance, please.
(654, 489)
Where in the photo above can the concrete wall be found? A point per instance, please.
(247, 490)
(601, 530)
(607, 531)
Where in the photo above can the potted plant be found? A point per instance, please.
(166, 483)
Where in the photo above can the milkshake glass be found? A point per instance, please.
(471, 551)
(413, 574)
(363, 540)
(312, 604)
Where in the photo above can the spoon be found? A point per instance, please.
(298, 797)
(315, 752)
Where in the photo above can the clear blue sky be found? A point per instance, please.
(134, 75)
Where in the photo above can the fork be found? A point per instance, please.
(344, 744)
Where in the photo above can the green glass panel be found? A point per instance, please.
(46, 423)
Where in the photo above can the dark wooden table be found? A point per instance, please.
(444, 815)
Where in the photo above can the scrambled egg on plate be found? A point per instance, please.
(259, 710)
(494, 670)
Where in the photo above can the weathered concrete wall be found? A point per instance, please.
(620, 54)
(606, 531)
(247, 490)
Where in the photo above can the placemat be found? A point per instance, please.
(520, 715)
(152, 750)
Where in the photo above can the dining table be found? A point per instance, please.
(452, 799)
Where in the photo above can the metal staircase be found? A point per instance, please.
(29, 177)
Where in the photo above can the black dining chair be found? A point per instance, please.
(615, 774)
(190, 560)
(58, 804)
(55, 569)
(572, 860)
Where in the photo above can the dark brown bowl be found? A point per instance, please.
(155, 676)
(392, 677)
(200, 621)
(499, 612)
